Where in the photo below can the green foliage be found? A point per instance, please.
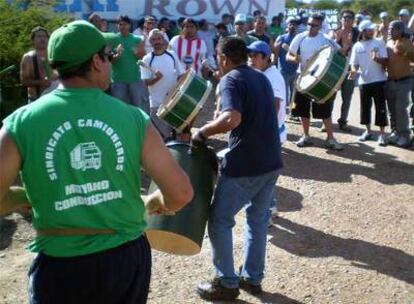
(16, 24)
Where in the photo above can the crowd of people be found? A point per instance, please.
(193, 44)
(110, 87)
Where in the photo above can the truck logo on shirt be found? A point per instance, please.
(86, 156)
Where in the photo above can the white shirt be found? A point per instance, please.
(169, 68)
(279, 91)
(371, 71)
(307, 46)
(191, 53)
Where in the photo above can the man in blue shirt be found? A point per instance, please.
(248, 173)
(287, 69)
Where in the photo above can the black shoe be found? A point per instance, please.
(249, 287)
(345, 127)
(214, 291)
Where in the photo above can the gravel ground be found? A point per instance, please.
(344, 233)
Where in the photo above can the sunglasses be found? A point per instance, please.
(313, 25)
(347, 18)
(109, 55)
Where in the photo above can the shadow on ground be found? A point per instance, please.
(381, 167)
(266, 297)
(7, 231)
(288, 200)
(306, 241)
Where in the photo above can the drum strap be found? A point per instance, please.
(197, 56)
(180, 47)
(36, 74)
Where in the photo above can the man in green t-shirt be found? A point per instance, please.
(126, 79)
(276, 29)
(81, 172)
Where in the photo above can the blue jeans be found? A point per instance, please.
(290, 85)
(230, 196)
(135, 93)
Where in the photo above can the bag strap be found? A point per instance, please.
(36, 73)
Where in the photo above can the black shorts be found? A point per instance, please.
(118, 275)
(302, 107)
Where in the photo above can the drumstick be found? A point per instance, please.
(145, 66)
(8, 69)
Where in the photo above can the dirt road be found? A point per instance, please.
(344, 234)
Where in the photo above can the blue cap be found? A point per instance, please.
(259, 47)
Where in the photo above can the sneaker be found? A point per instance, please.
(404, 142)
(365, 136)
(381, 140)
(393, 138)
(270, 222)
(334, 145)
(345, 127)
(294, 118)
(214, 291)
(249, 287)
(304, 141)
(273, 214)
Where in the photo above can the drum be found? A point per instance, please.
(323, 75)
(184, 101)
(183, 233)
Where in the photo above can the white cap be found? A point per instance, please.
(404, 12)
(366, 25)
(155, 32)
(359, 16)
(291, 19)
(383, 15)
(240, 18)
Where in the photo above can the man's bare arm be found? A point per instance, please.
(11, 198)
(293, 58)
(226, 121)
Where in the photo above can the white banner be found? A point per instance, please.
(332, 15)
(173, 9)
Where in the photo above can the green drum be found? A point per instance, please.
(183, 233)
(323, 75)
(185, 101)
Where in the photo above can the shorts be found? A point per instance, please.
(117, 275)
(302, 107)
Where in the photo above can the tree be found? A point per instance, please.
(17, 19)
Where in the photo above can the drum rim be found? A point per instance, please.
(197, 107)
(311, 60)
(162, 110)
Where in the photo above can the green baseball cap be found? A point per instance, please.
(73, 44)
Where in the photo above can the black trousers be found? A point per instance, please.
(373, 91)
(119, 275)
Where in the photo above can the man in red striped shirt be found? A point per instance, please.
(190, 49)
